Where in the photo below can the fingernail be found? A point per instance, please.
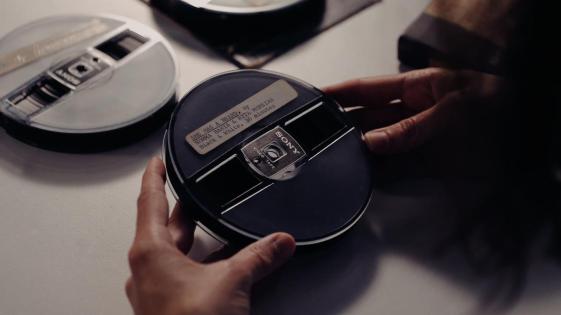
(283, 245)
(376, 140)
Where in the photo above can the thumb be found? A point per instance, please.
(264, 256)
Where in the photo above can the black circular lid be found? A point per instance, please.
(253, 152)
(241, 6)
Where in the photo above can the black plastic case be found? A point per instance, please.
(228, 190)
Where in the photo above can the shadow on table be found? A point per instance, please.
(68, 169)
(471, 207)
(323, 281)
(461, 211)
(178, 33)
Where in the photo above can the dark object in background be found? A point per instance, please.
(252, 152)
(243, 7)
(520, 220)
(252, 40)
(470, 34)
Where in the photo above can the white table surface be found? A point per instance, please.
(66, 221)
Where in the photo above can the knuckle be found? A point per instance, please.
(257, 261)
(389, 139)
(142, 197)
(428, 74)
(145, 196)
(458, 100)
(408, 129)
(463, 79)
(361, 85)
(139, 255)
(129, 287)
(262, 257)
(433, 72)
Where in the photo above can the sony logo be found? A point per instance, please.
(287, 142)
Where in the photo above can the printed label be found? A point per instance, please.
(28, 54)
(240, 117)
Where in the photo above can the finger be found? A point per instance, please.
(413, 131)
(418, 89)
(182, 229)
(152, 216)
(369, 118)
(264, 256)
(372, 91)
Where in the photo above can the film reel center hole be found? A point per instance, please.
(82, 68)
(273, 152)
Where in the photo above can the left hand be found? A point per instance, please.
(165, 281)
(401, 112)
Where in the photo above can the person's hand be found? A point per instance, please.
(403, 111)
(165, 281)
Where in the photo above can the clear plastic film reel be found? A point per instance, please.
(84, 75)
